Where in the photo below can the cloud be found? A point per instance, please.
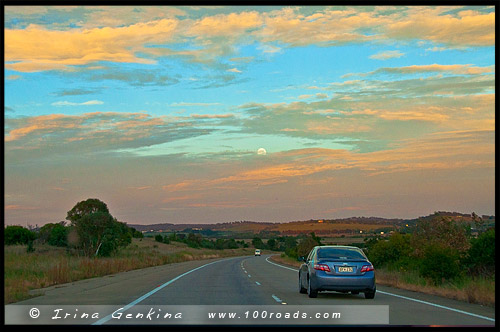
(386, 55)
(36, 48)
(443, 151)
(13, 77)
(19, 207)
(466, 69)
(188, 104)
(233, 24)
(212, 116)
(332, 26)
(234, 70)
(466, 28)
(86, 103)
(143, 34)
(135, 77)
(44, 136)
(459, 69)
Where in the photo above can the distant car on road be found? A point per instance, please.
(337, 268)
(257, 252)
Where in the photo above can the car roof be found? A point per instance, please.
(337, 246)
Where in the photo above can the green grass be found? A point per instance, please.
(48, 266)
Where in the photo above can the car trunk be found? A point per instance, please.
(344, 267)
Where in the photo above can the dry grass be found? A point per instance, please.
(471, 290)
(48, 266)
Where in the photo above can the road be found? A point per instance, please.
(249, 282)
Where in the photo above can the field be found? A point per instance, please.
(26, 272)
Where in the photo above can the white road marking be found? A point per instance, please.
(131, 304)
(285, 267)
(277, 299)
(438, 306)
(406, 298)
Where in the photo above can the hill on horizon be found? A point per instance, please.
(351, 225)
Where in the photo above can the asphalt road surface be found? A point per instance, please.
(246, 283)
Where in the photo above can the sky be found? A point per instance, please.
(207, 114)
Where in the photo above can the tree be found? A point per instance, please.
(290, 246)
(306, 245)
(18, 235)
(54, 234)
(394, 251)
(480, 258)
(272, 244)
(258, 243)
(441, 231)
(83, 208)
(97, 232)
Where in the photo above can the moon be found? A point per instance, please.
(261, 151)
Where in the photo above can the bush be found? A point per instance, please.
(95, 231)
(18, 235)
(307, 244)
(99, 234)
(54, 234)
(439, 263)
(395, 251)
(480, 258)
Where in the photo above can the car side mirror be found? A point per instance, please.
(301, 259)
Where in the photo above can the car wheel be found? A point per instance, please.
(370, 295)
(311, 291)
(302, 290)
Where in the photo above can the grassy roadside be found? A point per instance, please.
(48, 266)
(478, 291)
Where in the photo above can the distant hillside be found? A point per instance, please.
(323, 227)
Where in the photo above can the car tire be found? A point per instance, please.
(370, 295)
(302, 290)
(311, 292)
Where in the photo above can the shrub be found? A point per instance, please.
(306, 245)
(480, 258)
(54, 234)
(95, 231)
(18, 235)
(439, 263)
(395, 251)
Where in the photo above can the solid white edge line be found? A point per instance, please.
(131, 304)
(406, 298)
(285, 267)
(437, 305)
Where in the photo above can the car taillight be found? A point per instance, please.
(322, 267)
(367, 268)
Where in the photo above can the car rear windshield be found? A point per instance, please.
(340, 253)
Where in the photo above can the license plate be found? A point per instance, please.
(345, 269)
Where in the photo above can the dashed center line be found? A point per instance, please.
(277, 299)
